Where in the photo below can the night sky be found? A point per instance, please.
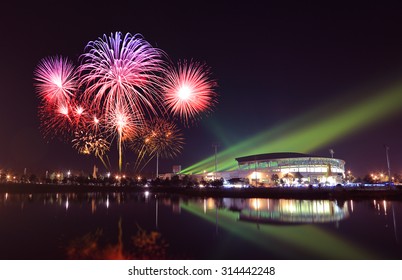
(274, 63)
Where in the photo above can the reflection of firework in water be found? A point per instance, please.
(144, 246)
(118, 71)
(55, 80)
(160, 138)
(189, 90)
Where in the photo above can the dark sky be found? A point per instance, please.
(273, 63)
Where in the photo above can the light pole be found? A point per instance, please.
(215, 146)
(125, 168)
(388, 165)
(157, 165)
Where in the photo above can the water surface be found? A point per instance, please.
(155, 226)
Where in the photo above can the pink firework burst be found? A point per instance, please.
(121, 71)
(189, 90)
(56, 80)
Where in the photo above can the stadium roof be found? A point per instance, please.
(272, 156)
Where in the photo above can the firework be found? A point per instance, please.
(160, 138)
(122, 81)
(81, 116)
(138, 144)
(119, 80)
(87, 143)
(123, 123)
(164, 138)
(55, 120)
(121, 71)
(56, 80)
(189, 90)
(56, 84)
(82, 142)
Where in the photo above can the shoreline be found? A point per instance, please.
(334, 193)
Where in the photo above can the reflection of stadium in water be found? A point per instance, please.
(260, 210)
(288, 210)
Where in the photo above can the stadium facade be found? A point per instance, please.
(286, 169)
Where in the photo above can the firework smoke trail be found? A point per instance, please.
(189, 90)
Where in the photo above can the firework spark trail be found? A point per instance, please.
(166, 139)
(138, 145)
(121, 71)
(55, 120)
(189, 90)
(81, 116)
(82, 142)
(87, 143)
(159, 137)
(123, 123)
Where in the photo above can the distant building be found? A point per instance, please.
(95, 172)
(287, 169)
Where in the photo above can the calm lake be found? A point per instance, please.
(156, 226)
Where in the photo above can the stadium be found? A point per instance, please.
(286, 169)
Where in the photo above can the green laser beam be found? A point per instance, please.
(310, 131)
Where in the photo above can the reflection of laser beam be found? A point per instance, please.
(310, 131)
(284, 241)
